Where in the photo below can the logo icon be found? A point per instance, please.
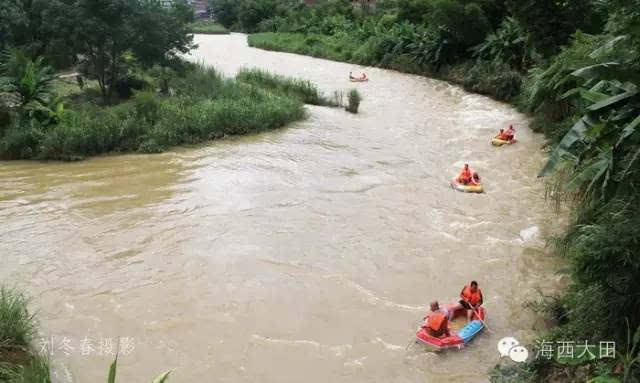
(509, 346)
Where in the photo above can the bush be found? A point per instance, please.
(354, 101)
(206, 27)
(207, 106)
(17, 326)
(21, 139)
(35, 369)
(18, 361)
(304, 90)
(147, 106)
(494, 78)
(127, 85)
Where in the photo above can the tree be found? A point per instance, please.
(108, 29)
(28, 82)
(550, 23)
(225, 11)
(105, 31)
(39, 27)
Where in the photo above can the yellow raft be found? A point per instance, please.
(466, 188)
(499, 142)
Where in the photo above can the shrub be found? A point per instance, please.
(147, 106)
(304, 90)
(21, 139)
(35, 369)
(354, 101)
(127, 85)
(17, 326)
(205, 27)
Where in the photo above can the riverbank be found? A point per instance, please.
(486, 78)
(207, 27)
(279, 226)
(20, 361)
(556, 93)
(199, 105)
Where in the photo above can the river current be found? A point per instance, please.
(307, 254)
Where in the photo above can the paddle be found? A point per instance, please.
(478, 316)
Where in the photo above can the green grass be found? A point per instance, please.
(19, 363)
(304, 90)
(34, 369)
(486, 78)
(206, 27)
(354, 101)
(17, 326)
(337, 48)
(203, 106)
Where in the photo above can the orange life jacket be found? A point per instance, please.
(465, 175)
(473, 298)
(436, 321)
(510, 133)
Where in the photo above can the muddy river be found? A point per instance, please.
(307, 254)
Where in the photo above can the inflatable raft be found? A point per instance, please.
(466, 188)
(457, 338)
(359, 79)
(499, 142)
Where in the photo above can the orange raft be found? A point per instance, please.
(469, 188)
(457, 339)
(499, 142)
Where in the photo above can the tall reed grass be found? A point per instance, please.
(354, 101)
(17, 326)
(19, 363)
(304, 90)
(205, 106)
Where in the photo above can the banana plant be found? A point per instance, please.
(28, 81)
(602, 144)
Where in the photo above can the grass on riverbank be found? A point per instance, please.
(204, 106)
(304, 90)
(206, 27)
(19, 362)
(489, 78)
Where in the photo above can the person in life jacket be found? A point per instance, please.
(510, 133)
(471, 299)
(465, 175)
(475, 179)
(436, 323)
(502, 135)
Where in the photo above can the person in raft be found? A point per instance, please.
(471, 299)
(475, 179)
(502, 135)
(510, 133)
(363, 77)
(465, 175)
(436, 323)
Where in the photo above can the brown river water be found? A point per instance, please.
(307, 254)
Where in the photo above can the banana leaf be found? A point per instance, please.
(575, 134)
(604, 71)
(628, 130)
(607, 47)
(619, 177)
(588, 95)
(591, 173)
(612, 100)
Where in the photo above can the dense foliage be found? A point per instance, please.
(575, 66)
(202, 106)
